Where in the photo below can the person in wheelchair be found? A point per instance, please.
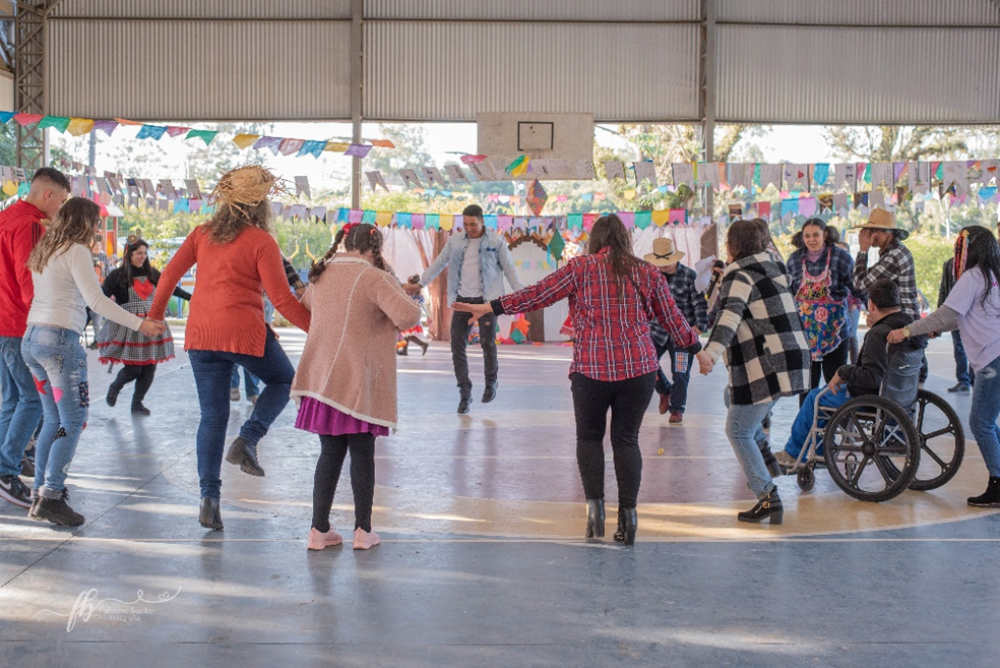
(885, 314)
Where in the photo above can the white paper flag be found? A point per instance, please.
(991, 170)
(955, 172)
(318, 212)
(410, 178)
(375, 178)
(585, 170)
(434, 177)
(846, 175)
(920, 177)
(796, 174)
(167, 188)
(738, 177)
(770, 174)
(645, 170)
(708, 174)
(614, 170)
(840, 202)
(302, 186)
(876, 199)
(194, 192)
(683, 174)
(456, 174)
(882, 176)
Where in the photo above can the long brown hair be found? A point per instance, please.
(355, 237)
(609, 232)
(74, 224)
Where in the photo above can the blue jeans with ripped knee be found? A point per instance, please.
(59, 365)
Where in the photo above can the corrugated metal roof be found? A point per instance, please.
(186, 70)
(450, 71)
(544, 10)
(861, 12)
(204, 9)
(858, 75)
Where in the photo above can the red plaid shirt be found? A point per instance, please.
(611, 327)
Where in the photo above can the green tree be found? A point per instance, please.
(896, 143)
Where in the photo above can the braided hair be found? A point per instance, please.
(977, 247)
(357, 237)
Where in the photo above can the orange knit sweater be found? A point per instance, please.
(227, 308)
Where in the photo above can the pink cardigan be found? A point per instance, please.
(349, 360)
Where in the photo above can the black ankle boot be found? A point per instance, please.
(768, 507)
(990, 498)
(209, 515)
(628, 522)
(244, 455)
(595, 518)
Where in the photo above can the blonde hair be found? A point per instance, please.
(74, 224)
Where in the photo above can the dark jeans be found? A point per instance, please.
(331, 461)
(962, 374)
(628, 401)
(249, 382)
(460, 326)
(212, 373)
(826, 368)
(142, 374)
(678, 390)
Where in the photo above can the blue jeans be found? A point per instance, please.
(59, 364)
(961, 360)
(249, 381)
(21, 408)
(213, 371)
(983, 415)
(804, 420)
(743, 424)
(678, 390)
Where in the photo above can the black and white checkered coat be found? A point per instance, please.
(759, 330)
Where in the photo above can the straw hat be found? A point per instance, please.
(246, 186)
(663, 253)
(880, 219)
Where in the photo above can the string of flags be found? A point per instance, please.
(286, 146)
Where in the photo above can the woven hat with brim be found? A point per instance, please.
(246, 186)
(880, 219)
(663, 253)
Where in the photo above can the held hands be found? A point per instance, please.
(896, 336)
(476, 311)
(153, 327)
(705, 363)
(411, 288)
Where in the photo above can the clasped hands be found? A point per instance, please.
(153, 327)
(475, 311)
(412, 285)
(705, 363)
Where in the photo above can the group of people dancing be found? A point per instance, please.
(781, 328)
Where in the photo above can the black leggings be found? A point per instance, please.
(628, 401)
(827, 367)
(142, 374)
(331, 460)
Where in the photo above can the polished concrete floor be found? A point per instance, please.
(482, 561)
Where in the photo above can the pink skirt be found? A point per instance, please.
(319, 418)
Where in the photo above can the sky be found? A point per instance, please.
(784, 143)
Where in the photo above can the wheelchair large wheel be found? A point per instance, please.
(872, 449)
(942, 441)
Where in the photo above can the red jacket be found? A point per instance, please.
(20, 230)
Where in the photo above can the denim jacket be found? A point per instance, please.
(495, 262)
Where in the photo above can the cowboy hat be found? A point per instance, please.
(880, 219)
(663, 253)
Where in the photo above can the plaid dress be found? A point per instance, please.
(119, 344)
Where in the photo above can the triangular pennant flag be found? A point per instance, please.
(245, 141)
(25, 120)
(796, 174)
(821, 173)
(358, 150)
(176, 130)
(337, 146)
(80, 126)
(382, 143)
(708, 174)
(125, 121)
(614, 169)
(846, 175)
(990, 170)
(434, 177)
(302, 186)
(882, 175)
(60, 123)
(456, 174)
(312, 147)
(108, 127)
(151, 132)
(290, 146)
(683, 173)
(375, 179)
(205, 135)
(470, 159)
(5, 116)
(410, 178)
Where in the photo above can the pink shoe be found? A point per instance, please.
(364, 540)
(318, 540)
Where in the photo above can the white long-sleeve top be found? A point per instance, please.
(66, 287)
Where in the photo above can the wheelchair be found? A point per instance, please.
(874, 448)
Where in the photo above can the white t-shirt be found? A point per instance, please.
(66, 287)
(470, 284)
